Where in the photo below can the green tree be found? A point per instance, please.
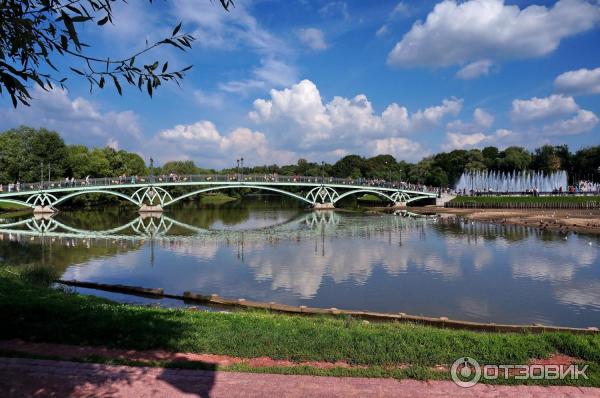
(514, 158)
(180, 167)
(28, 154)
(348, 166)
(546, 159)
(35, 33)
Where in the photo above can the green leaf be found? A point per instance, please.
(176, 29)
(103, 21)
(117, 85)
(149, 87)
(77, 71)
(164, 68)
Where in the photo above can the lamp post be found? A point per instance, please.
(151, 171)
(242, 163)
(323, 172)
(49, 174)
(42, 174)
(237, 170)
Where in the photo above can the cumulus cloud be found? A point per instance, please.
(310, 122)
(400, 148)
(481, 120)
(455, 33)
(203, 140)
(554, 115)
(582, 122)
(313, 38)
(465, 141)
(474, 70)
(536, 109)
(581, 81)
(78, 120)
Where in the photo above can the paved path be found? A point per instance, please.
(42, 378)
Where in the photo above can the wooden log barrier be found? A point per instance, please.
(216, 300)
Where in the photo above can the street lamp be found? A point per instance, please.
(151, 171)
(323, 172)
(42, 174)
(237, 170)
(389, 173)
(242, 163)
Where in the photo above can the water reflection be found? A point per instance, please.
(429, 266)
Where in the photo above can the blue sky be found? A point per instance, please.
(274, 81)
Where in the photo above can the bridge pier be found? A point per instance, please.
(323, 206)
(44, 210)
(399, 205)
(150, 209)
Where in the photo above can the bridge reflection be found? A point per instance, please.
(159, 226)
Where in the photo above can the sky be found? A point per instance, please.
(278, 80)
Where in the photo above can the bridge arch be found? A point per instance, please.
(105, 191)
(218, 188)
(355, 191)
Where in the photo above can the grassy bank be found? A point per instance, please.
(371, 198)
(525, 199)
(216, 199)
(30, 311)
(11, 207)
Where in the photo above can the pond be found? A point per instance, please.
(265, 249)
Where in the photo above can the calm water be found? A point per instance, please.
(270, 251)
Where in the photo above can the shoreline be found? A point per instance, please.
(556, 220)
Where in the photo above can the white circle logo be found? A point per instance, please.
(465, 372)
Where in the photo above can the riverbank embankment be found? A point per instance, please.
(558, 220)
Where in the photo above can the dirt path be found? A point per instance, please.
(42, 378)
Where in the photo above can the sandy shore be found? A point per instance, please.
(580, 221)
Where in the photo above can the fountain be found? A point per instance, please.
(495, 181)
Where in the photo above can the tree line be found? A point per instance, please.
(28, 154)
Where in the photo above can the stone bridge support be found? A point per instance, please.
(44, 210)
(323, 206)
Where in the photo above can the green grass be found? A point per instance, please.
(11, 207)
(36, 313)
(525, 199)
(216, 199)
(369, 197)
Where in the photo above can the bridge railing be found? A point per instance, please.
(225, 178)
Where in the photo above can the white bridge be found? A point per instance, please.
(152, 193)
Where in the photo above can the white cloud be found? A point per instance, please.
(334, 9)
(463, 141)
(78, 120)
(382, 31)
(401, 9)
(481, 120)
(536, 109)
(203, 98)
(474, 70)
(455, 33)
(582, 122)
(311, 123)
(203, 140)
(313, 38)
(217, 29)
(271, 73)
(400, 148)
(581, 81)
